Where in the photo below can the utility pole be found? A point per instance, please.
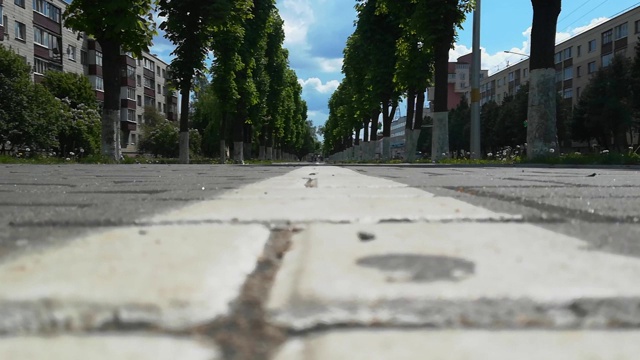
(475, 86)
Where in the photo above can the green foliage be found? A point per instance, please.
(152, 117)
(606, 106)
(161, 139)
(75, 87)
(80, 130)
(128, 23)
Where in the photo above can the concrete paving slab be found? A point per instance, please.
(363, 199)
(172, 277)
(464, 345)
(106, 347)
(443, 275)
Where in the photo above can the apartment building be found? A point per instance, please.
(459, 83)
(575, 59)
(33, 29)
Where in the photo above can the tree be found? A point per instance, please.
(30, 116)
(605, 109)
(117, 25)
(74, 87)
(542, 137)
(190, 25)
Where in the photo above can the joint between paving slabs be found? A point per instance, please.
(245, 334)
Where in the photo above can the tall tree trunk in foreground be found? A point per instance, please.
(542, 133)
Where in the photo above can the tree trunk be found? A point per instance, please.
(223, 136)
(110, 144)
(248, 140)
(374, 124)
(440, 137)
(542, 133)
(417, 123)
(238, 135)
(184, 125)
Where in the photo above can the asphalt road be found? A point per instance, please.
(598, 205)
(44, 205)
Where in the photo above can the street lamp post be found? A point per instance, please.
(515, 53)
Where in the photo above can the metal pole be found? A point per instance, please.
(475, 86)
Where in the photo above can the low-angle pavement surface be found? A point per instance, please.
(320, 262)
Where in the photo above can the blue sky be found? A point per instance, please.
(316, 32)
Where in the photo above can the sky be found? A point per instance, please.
(316, 32)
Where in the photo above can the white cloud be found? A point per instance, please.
(330, 65)
(298, 15)
(562, 36)
(317, 85)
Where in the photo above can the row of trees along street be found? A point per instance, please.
(398, 49)
(253, 95)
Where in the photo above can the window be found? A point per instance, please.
(41, 37)
(19, 3)
(511, 76)
(637, 26)
(592, 45)
(591, 67)
(149, 83)
(607, 36)
(139, 100)
(1, 17)
(567, 54)
(606, 59)
(158, 70)
(71, 53)
(83, 57)
(129, 72)
(578, 71)
(148, 64)
(499, 82)
(159, 89)
(47, 9)
(578, 50)
(568, 93)
(558, 57)
(131, 115)
(98, 58)
(462, 76)
(164, 90)
(164, 74)
(39, 66)
(164, 107)
(99, 83)
(149, 101)
(139, 80)
(558, 75)
(133, 139)
(578, 92)
(20, 31)
(567, 73)
(159, 106)
(131, 93)
(525, 73)
(621, 52)
(620, 31)
(140, 121)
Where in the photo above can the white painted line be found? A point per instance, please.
(106, 347)
(173, 277)
(464, 345)
(438, 273)
(341, 195)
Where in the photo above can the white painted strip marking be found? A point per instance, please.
(174, 276)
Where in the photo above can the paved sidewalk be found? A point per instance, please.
(322, 263)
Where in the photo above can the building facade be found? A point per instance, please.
(33, 29)
(575, 59)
